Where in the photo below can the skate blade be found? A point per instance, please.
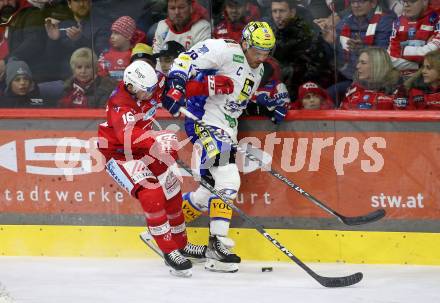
(217, 266)
(187, 273)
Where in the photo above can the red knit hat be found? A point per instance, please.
(125, 26)
(311, 87)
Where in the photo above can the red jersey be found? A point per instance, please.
(123, 109)
(358, 97)
(127, 120)
(112, 63)
(411, 40)
(419, 99)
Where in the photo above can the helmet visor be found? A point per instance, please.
(147, 93)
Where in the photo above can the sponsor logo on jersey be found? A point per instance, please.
(232, 121)
(427, 27)
(365, 105)
(238, 58)
(115, 172)
(411, 33)
(207, 141)
(203, 50)
(401, 102)
(149, 114)
(247, 89)
(418, 99)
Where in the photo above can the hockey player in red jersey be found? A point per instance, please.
(142, 161)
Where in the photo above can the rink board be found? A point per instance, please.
(308, 245)
(355, 162)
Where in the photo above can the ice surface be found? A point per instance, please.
(85, 280)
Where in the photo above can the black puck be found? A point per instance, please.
(266, 269)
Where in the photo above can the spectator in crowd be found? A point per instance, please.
(300, 53)
(124, 35)
(424, 86)
(415, 34)
(236, 14)
(367, 25)
(313, 97)
(169, 52)
(21, 90)
(375, 81)
(142, 51)
(184, 24)
(85, 89)
(8, 10)
(79, 31)
(27, 38)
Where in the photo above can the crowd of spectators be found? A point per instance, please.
(341, 54)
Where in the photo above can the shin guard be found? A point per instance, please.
(220, 215)
(176, 218)
(153, 204)
(190, 211)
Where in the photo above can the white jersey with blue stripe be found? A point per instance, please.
(220, 57)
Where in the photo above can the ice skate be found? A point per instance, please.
(179, 265)
(218, 256)
(196, 253)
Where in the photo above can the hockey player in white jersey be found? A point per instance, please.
(243, 64)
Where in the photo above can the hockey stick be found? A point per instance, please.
(147, 238)
(324, 281)
(371, 217)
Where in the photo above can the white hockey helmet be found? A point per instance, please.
(141, 76)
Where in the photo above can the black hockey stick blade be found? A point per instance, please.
(371, 217)
(340, 281)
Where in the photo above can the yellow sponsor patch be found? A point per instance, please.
(207, 141)
(190, 212)
(184, 57)
(218, 209)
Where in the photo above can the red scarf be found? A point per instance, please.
(369, 35)
(77, 96)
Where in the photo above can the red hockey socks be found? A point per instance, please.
(177, 221)
(153, 203)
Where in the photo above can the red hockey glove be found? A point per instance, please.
(218, 85)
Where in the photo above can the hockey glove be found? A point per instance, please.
(175, 92)
(272, 95)
(173, 100)
(279, 114)
(218, 85)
